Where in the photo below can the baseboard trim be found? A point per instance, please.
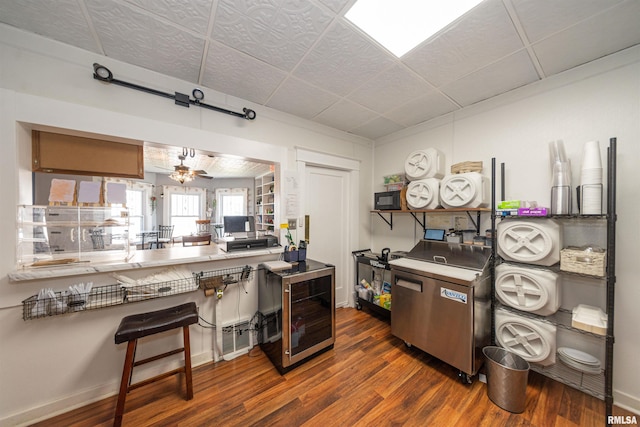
(83, 398)
(626, 401)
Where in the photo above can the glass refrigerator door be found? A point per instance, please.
(311, 313)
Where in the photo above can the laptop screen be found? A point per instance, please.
(433, 234)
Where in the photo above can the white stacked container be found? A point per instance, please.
(427, 163)
(424, 194)
(534, 290)
(533, 340)
(465, 190)
(533, 242)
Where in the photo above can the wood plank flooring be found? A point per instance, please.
(370, 378)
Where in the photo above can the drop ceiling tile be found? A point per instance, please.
(478, 56)
(45, 18)
(342, 60)
(240, 75)
(502, 76)
(191, 14)
(541, 18)
(279, 36)
(426, 107)
(300, 99)
(389, 89)
(137, 38)
(345, 115)
(261, 11)
(481, 37)
(336, 5)
(377, 128)
(602, 35)
(301, 21)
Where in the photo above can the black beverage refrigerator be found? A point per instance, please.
(297, 312)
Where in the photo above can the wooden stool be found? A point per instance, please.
(140, 325)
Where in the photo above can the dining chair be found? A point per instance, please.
(203, 226)
(165, 233)
(197, 240)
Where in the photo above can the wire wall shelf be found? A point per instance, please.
(55, 303)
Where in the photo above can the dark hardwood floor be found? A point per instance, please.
(370, 378)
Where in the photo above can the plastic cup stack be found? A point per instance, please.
(591, 180)
(560, 179)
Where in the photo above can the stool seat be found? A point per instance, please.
(140, 325)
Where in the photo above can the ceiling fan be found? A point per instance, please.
(184, 174)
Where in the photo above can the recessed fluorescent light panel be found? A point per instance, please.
(401, 25)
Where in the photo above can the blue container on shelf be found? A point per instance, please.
(290, 256)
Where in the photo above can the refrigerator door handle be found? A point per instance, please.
(411, 284)
(289, 350)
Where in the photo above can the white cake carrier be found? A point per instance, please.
(533, 290)
(533, 340)
(465, 190)
(533, 242)
(424, 194)
(427, 163)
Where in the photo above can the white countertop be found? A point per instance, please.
(141, 259)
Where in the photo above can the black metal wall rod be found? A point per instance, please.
(103, 74)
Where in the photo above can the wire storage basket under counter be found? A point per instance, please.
(53, 303)
(83, 296)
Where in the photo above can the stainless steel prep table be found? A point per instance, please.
(441, 304)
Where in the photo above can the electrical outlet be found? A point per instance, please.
(293, 223)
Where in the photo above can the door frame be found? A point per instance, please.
(304, 158)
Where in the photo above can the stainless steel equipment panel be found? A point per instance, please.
(435, 316)
(440, 302)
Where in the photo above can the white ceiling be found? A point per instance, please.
(163, 159)
(304, 58)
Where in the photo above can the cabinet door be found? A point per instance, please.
(57, 153)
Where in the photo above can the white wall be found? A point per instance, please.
(50, 365)
(594, 102)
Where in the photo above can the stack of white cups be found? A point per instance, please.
(560, 179)
(590, 195)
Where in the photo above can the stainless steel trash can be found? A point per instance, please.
(507, 375)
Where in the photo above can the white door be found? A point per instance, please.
(327, 204)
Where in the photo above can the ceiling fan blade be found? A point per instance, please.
(200, 172)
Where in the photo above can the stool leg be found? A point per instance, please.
(124, 382)
(187, 361)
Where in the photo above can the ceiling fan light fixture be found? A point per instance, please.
(181, 176)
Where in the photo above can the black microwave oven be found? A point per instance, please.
(387, 200)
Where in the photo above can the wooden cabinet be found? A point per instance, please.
(77, 155)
